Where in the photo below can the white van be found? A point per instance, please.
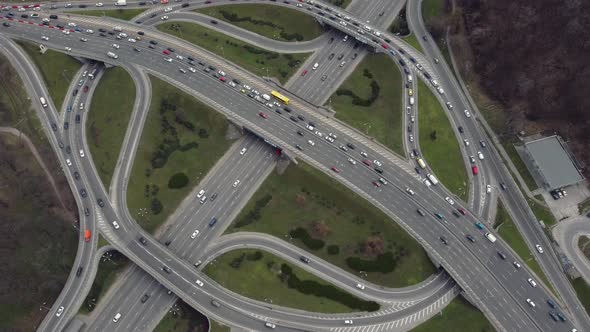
(410, 78)
(491, 237)
(432, 178)
(315, 66)
(117, 316)
(411, 100)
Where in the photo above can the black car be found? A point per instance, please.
(420, 212)
(299, 132)
(79, 271)
(341, 56)
(102, 30)
(304, 259)
(142, 3)
(294, 119)
(201, 63)
(470, 238)
(153, 15)
(170, 49)
(53, 17)
(167, 243)
(82, 6)
(83, 192)
(278, 110)
(77, 118)
(100, 202)
(102, 34)
(75, 92)
(331, 56)
(461, 129)
(141, 33)
(153, 42)
(501, 254)
(76, 175)
(378, 170)
(287, 109)
(54, 127)
(190, 58)
(444, 240)
(300, 117)
(142, 240)
(213, 197)
(412, 59)
(111, 33)
(503, 185)
(184, 5)
(238, 83)
(427, 75)
(402, 62)
(417, 169)
(66, 125)
(350, 145)
(401, 50)
(68, 149)
(415, 152)
(213, 22)
(424, 38)
(354, 56)
(24, 16)
(86, 212)
(145, 297)
(61, 145)
(166, 269)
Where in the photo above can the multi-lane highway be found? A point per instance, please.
(476, 267)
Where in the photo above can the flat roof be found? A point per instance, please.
(554, 162)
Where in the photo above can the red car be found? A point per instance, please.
(474, 170)
(263, 115)
(86, 88)
(462, 210)
(367, 162)
(376, 184)
(335, 169)
(222, 78)
(304, 72)
(166, 52)
(384, 46)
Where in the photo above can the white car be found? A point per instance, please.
(195, 233)
(81, 106)
(412, 119)
(378, 163)
(182, 70)
(411, 138)
(310, 142)
(179, 57)
(83, 39)
(243, 151)
(199, 282)
(232, 84)
(539, 248)
(89, 31)
(270, 325)
(364, 154)
(236, 184)
(168, 9)
(132, 40)
(72, 24)
(45, 38)
(310, 127)
(466, 142)
(408, 110)
(530, 302)
(516, 264)
(192, 70)
(480, 155)
(319, 134)
(330, 139)
(467, 114)
(115, 224)
(472, 159)
(85, 73)
(123, 34)
(66, 32)
(342, 63)
(201, 193)
(360, 286)
(164, 18)
(348, 322)
(116, 46)
(410, 191)
(99, 4)
(382, 180)
(81, 153)
(167, 59)
(488, 189)
(532, 282)
(117, 317)
(69, 49)
(69, 162)
(59, 311)
(449, 200)
(352, 161)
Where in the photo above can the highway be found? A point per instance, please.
(476, 268)
(567, 233)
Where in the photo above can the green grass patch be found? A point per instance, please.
(182, 318)
(520, 165)
(584, 206)
(112, 104)
(102, 242)
(542, 212)
(273, 22)
(112, 263)
(459, 315)
(432, 8)
(583, 291)
(317, 213)
(181, 134)
(375, 82)
(439, 144)
(243, 271)
(256, 60)
(413, 40)
(218, 327)
(122, 14)
(584, 245)
(57, 69)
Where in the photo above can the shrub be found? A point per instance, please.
(384, 263)
(333, 249)
(303, 235)
(255, 256)
(178, 181)
(237, 262)
(156, 206)
(254, 214)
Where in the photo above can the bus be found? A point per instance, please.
(421, 163)
(280, 97)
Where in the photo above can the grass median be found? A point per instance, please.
(256, 60)
(459, 315)
(370, 100)
(57, 69)
(432, 8)
(110, 111)
(181, 140)
(122, 14)
(112, 263)
(583, 291)
(244, 271)
(182, 318)
(439, 145)
(520, 165)
(541, 212)
(318, 214)
(273, 22)
(414, 42)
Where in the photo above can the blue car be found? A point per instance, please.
(479, 225)
(69, 108)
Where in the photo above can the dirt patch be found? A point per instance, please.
(373, 246)
(320, 229)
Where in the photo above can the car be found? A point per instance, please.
(352, 161)
(82, 39)
(79, 271)
(501, 254)
(85, 89)
(68, 149)
(377, 184)
(461, 129)
(472, 159)
(132, 40)
(350, 145)
(348, 322)
(466, 142)
(263, 115)
(82, 153)
(482, 143)
(456, 214)
(68, 49)
(115, 224)
(69, 162)
(199, 282)
(60, 311)
(215, 303)
(333, 168)
(324, 77)
(516, 264)
(439, 216)
(444, 240)
(76, 175)
(144, 298)
(531, 303)
(449, 200)
(467, 114)
(81, 106)
(99, 4)
(304, 259)
(474, 170)
(360, 286)
(182, 70)
(200, 193)
(488, 189)
(479, 155)
(539, 248)
(304, 72)
(503, 185)
(45, 38)
(167, 9)
(195, 233)
(420, 212)
(449, 105)
(561, 316)
(378, 170)
(410, 191)
(142, 240)
(342, 64)
(310, 142)
(479, 225)
(236, 183)
(331, 56)
(66, 125)
(270, 325)
(116, 46)
(100, 202)
(298, 147)
(382, 180)
(243, 151)
(470, 238)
